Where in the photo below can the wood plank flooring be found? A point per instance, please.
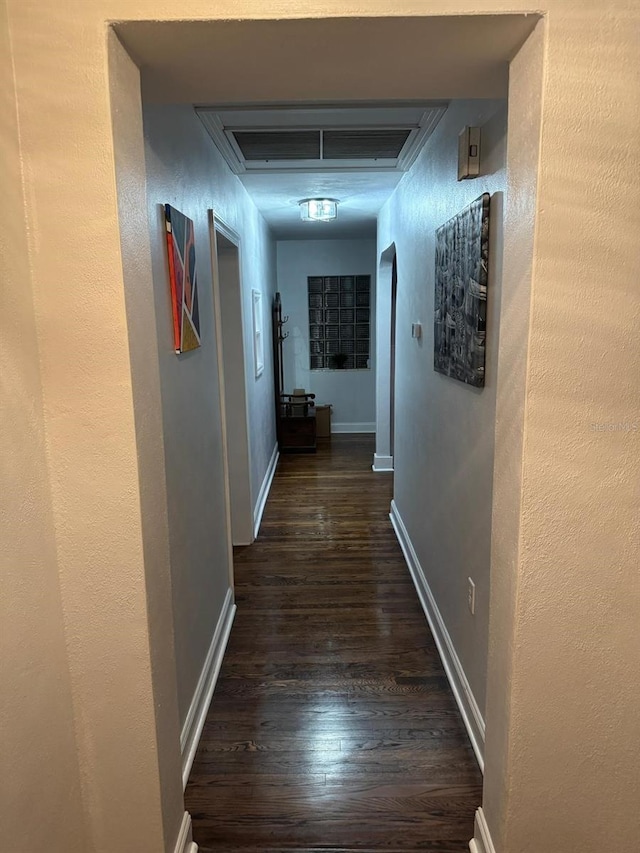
(332, 726)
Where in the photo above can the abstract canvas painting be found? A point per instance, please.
(183, 280)
(460, 317)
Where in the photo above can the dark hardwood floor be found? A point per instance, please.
(332, 726)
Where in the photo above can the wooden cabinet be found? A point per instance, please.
(298, 434)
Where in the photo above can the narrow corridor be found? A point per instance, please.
(332, 725)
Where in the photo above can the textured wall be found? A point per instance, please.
(126, 111)
(566, 589)
(444, 430)
(523, 143)
(184, 169)
(571, 772)
(38, 751)
(84, 365)
(351, 393)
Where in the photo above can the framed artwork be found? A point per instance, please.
(183, 280)
(460, 313)
(258, 336)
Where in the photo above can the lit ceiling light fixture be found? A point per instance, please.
(318, 209)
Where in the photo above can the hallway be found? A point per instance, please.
(332, 724)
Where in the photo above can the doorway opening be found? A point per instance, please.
(225, 246)
(385, 379)
(229, 322)
(392, 356)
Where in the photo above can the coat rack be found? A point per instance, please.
(295, 413)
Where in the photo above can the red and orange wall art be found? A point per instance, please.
(183, 280)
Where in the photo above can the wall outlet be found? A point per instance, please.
(471, 597)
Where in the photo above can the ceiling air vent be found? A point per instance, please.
(368, 144)
(278, 144)
(378, 137)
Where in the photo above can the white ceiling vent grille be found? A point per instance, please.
(294, 138)
(267, 145)
(367, 144)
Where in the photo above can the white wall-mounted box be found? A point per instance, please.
(468, 153)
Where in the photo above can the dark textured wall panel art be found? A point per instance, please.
(460, 316)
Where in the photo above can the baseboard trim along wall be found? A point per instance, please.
(482, 841)
(185, 842)
(362, 427)
(382, 463)
(467, 704)
(264, 491)
(192, 728)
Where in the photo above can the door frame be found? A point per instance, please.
(383, 456)
(240, 528)
(392, 357)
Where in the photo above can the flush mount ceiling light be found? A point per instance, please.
(318, 209)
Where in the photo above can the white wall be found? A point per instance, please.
(444, 430)
(185, 170)
(350, 392)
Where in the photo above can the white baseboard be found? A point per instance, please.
(264, 491)
(471, 715)
(185, 842)
(382, 463)
(361, 427)
(192, 728)
(482, 841)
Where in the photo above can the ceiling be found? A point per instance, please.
(360, 196)
(371, 60)
(367, 59)
(361, 185)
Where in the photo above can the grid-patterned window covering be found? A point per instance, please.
(339, 321)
